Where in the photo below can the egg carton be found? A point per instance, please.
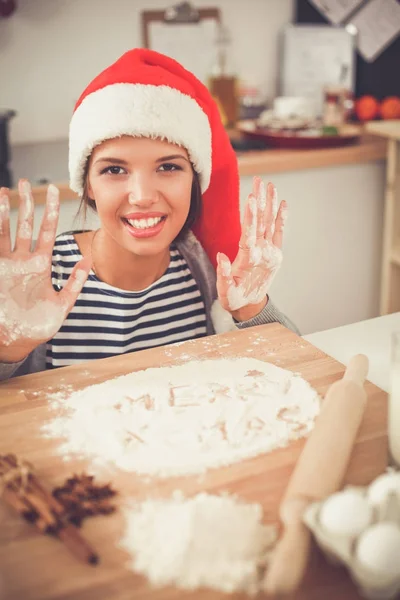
(359, 527)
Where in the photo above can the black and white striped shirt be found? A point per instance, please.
(107, 321)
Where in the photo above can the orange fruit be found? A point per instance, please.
(390, 108)
(366, 108)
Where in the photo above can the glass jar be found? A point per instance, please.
(251, 102)
(338, 105)
(223, 80)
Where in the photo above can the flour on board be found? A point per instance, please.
(185, 419)
(206, 541)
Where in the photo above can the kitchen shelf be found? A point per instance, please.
(390, 273)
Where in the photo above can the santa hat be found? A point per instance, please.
(145, 93)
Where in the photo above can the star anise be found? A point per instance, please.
(82, 498)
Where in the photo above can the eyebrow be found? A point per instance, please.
(120, 161)
(171, 157)
(110, 159)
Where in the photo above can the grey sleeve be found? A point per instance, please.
(33, 363)
(7, 370)
(269, 314)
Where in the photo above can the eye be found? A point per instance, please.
(113, 170)
(169, 167)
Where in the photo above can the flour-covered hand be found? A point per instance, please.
(31, 311)
(247, 280)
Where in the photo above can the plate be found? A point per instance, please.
(288, 139)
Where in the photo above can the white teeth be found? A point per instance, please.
(144, 223)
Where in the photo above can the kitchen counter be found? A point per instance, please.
(254, 162)
(280, 160)
(372, 338)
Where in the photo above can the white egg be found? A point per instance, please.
(378, 549)
(380, 488)
(345, 513)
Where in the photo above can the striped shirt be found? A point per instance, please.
(106, 321)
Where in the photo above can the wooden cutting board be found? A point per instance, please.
(35, 567)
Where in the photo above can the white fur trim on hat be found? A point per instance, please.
(139, 110)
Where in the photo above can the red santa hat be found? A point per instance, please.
(145, 93)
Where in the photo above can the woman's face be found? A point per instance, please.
(142, 190)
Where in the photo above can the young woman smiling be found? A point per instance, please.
(170, 260)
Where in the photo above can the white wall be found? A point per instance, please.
(51, 49)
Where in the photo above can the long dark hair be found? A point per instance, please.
(196, 202)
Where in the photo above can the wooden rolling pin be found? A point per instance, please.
(318, 473)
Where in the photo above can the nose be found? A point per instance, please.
(141, 190)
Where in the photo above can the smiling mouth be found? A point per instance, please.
(144, 224)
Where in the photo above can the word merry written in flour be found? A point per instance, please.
(217, 411)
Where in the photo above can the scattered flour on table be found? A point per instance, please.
(185, 419)
(205, 541)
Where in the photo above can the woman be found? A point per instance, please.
(149, 153)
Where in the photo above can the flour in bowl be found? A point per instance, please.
(209, 541)
(184, 419)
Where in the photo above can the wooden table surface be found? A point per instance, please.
(36, 567)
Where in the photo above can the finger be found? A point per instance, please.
(224, 268)
(23, 240)
(260, 194)
(271, 211)
(224, 275)
(5, 238)
(75, 282)
(249, 224)
(48, 228)
(280, 224)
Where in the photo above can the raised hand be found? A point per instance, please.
(31, 311)
(247, 280)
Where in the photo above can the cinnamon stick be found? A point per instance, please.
(39, 504)
(24, 492)
(19, 504)
(75, 543)
(38, 489)
(27, 511)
